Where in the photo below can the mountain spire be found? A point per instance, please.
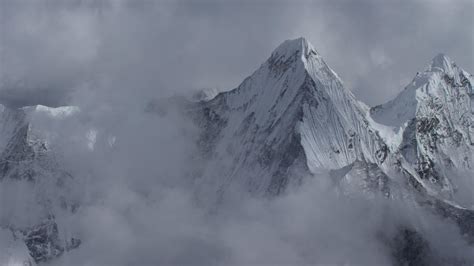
(289, 47)
(441, 63)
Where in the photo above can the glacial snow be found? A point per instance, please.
(431, 121)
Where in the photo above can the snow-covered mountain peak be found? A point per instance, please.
(289, 47)
(293, 114)
(442, 63)
(301, 56)
(51, 112)
(441, 82)
(441, 76)
(433, 117)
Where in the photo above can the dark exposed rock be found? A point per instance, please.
(17, 153)
(293, 155)
(426, 124)
(44, 243)
(382, 153)
(410, 249)
(464, 218)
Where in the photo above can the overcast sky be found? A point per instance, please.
(155, 48)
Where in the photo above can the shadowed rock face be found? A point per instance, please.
(409, 248)
(462, 217)
(44, 243)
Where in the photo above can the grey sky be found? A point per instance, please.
(154, 48)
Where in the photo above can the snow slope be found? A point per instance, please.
(433, 116)
(291, 118)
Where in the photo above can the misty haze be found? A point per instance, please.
(236, 132)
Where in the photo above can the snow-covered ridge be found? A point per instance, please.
(53, 112)
(203, 95)
(440, 79)
(288, 48)
(432, 121)
(442, 63)
(43, 124)
(307, 54)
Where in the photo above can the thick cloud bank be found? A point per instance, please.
(135, 186)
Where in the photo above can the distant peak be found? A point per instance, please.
(290, 47)
(441, 63)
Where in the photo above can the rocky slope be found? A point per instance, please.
(34, 187)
